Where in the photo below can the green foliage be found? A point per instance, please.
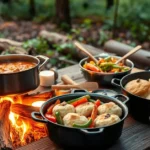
(64, 46)
(87, 23)
(39, 44)
(103, 37)
(133, 16)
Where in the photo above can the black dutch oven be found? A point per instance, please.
(22, 81)
(139, 107)
(75, 138)
(103, 79)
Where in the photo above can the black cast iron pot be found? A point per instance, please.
(22, 81)
(139, 107)
(71, 138)
(103, 79)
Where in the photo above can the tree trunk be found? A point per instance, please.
(32, 8)
(110, 3)
(63, 14)
(115, 18)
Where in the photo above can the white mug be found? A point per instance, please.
(47, 78)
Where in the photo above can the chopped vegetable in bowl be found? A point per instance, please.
(106, 65)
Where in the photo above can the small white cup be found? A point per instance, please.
(47, 78)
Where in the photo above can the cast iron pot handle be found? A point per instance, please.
(78, 91)
(126, 99)
(113, 82)
(34, 114)
(43, 58)
(92, 132)
(55, 73)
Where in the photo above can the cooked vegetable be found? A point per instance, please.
(50, 109)
(97, 102)
(91, 100)
(50, 117)
(79, 101)
(73, 100)
(86, 125)
(106, 65)
(93, 115)
(58, 118)
(92, 67)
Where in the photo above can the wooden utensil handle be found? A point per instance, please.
(64, 87)
(77, 44)
(130, 53)
(67, 80)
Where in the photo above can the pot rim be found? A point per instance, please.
(82, 94)
(18, 55)
(132, 74)
(103, 73)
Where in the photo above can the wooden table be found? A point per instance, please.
(135, 135)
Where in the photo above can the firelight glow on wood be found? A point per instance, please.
(46, 78)
(38, 103)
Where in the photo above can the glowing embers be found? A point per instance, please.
(20, 128)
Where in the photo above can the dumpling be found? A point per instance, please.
(72, 118)
(63, 109)
(106, 119)
(85, 109)
(110, 108)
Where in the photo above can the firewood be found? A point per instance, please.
(5, 140)
(44, 95)
(23, 110)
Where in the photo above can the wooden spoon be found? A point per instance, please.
(90, 86)
(129, 53)
(67, 80)
(77, 44)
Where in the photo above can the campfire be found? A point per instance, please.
(16, 125)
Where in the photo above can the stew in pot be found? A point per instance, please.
(83, 112)
(11, 67)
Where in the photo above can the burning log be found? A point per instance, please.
(5, 140)
(29, 99)
(23, 110)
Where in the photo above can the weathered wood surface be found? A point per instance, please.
(135, 135)
(141, 58)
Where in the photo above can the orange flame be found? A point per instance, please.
(24, 130)
(19, 125)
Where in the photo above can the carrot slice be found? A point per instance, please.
(97, 102)
(92, 67)
(93, 115)
(80, 101)
(50, 109)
